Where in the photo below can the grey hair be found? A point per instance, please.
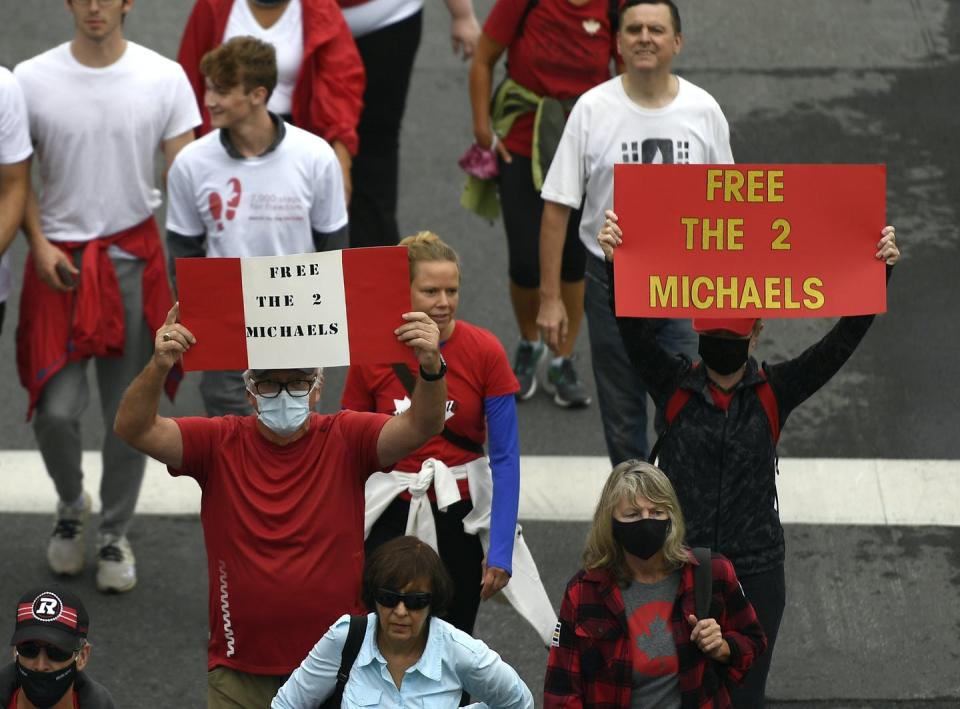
(250, 375)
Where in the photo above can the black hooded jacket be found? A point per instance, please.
(723, 463)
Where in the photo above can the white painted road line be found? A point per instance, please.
(566, 488)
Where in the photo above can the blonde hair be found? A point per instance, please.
(630, 480)
(427, 246)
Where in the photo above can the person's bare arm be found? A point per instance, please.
(481, 87)
(173, 146)
(14, 186)
(464, 28)
(403, 434)
(53, 265)
(138, 421)
(552, 317)
(346, 164)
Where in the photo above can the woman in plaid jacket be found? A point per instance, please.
(628, 634)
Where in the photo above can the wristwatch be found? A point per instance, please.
(427, 377)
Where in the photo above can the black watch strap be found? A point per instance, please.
(427, 377)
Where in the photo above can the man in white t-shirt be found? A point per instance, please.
(95, 284)
(255, 187)
(648, 115)
(15, 151)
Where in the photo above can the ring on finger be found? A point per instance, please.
(166, 337)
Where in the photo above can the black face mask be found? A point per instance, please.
(642, 538)
(44, 689)
(723, 355)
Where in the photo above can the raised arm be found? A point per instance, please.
(797, 379)
(138, 421)
(660, 370)
(403, 434)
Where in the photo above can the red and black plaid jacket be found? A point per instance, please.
(590, 664)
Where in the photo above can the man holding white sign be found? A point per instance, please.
(257, 186)
(283, 501)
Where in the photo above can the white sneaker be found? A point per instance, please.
(65, 551)
(116, 565)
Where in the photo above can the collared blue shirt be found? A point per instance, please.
(452, 662)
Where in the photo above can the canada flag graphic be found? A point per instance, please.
(307, 310)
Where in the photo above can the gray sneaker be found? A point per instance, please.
(116, 565)
(564, 383)
(526, 362)
(65, 548)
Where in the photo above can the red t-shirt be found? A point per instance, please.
(564, 51)
(477, 367)
(283, 527)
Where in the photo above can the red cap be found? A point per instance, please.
(738, 326)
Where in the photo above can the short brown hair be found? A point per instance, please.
(243, 60)
(401, 561)
(427, 246)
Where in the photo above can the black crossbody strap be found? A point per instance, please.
(702, 582)
(358, 628)
(403, 374)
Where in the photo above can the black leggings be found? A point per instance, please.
(461, 553)
(768, 594)
(388, 56)
(522, 208)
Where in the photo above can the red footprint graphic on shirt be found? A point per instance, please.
(216, 203)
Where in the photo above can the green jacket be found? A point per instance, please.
(510, 101)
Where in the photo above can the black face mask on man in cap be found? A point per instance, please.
(724, 355)
(44, 689)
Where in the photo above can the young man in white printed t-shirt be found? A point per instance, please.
(255, 187)
(15, 151)
(648, 115)
(95, 283)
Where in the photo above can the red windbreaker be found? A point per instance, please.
(328, 96)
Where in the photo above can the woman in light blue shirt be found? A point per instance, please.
(409, 657)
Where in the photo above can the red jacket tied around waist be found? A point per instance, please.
(59, 327)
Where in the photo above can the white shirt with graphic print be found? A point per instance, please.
(262, 206)
(606, 127)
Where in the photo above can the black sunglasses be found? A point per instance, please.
(31, 650)
(415, 601)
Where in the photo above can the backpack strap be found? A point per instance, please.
(462, 442)
(702, 582)
(678, 399)
(523, 18)
(768, 401)
(358, 628)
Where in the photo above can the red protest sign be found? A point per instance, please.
(749, 240)
(324, 309)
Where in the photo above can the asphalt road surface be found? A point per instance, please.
(873, 612)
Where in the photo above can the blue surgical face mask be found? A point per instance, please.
(283, 414)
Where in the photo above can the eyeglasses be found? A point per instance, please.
(415, 601)
(269, 389)
(31, 650)
(101, 3)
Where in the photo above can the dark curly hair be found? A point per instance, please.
(401, 561)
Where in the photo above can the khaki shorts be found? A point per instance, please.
(231, 689)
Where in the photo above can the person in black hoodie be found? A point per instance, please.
(50, 651)
(722, 417)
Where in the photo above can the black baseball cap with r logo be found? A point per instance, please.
(51, 614)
